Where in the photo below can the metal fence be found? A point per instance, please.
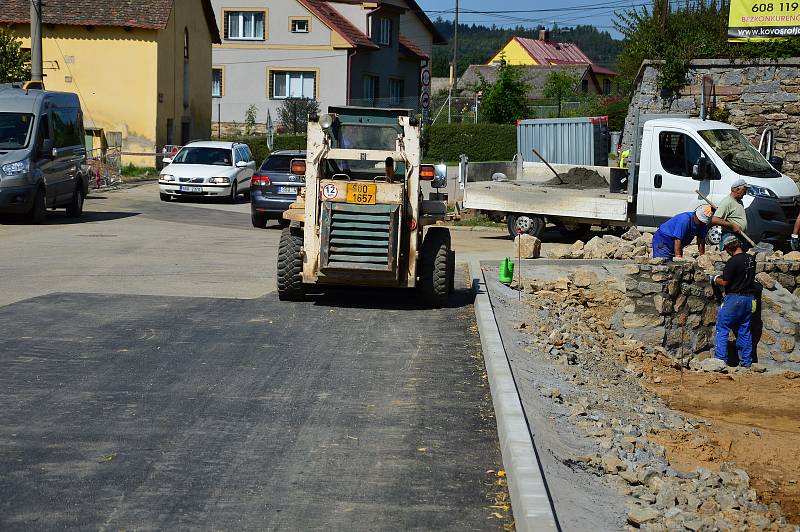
(105, 166)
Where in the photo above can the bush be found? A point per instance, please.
(480, 142)
(258, 144)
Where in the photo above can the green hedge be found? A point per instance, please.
(480, 142)
(258, 144)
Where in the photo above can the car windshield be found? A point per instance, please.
(280, 163)
(738, 153)
(199, 155)
(15, 130)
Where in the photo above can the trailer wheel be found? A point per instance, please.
(531, 224)
(714, 235)
(290, 265)
(438, 267)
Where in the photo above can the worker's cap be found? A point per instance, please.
(703, 213)
(730, 240)
(739, 183)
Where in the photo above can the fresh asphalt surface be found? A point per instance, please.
(141, 402)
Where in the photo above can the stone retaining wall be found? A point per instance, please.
(673, 305)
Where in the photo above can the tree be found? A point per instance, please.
(293, 113)
(697, 30)
(505, 100)
(250, 120)
(14, 62)
(560, 86)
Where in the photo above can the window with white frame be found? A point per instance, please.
(292, 84)
(245, 25)
(216, 83)
(370, 89)
(299, 25)
(395, 91)
(385, 31)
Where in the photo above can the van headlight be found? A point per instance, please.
(760, 192)
(219, 180)
(17, 168)
(167, 177)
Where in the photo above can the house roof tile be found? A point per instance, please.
(337, 22)
(145, 14)
(410, 48)
(559, 53)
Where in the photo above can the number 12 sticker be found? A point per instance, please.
(329, 191)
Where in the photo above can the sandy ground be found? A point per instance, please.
(753, 421)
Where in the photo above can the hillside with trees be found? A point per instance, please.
(477, 43)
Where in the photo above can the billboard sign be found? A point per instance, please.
(763, 20)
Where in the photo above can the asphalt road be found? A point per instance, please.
(151, 380)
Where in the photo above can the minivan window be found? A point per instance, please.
(66, 128)
(738, 153)
(15, 130)
(200, 155)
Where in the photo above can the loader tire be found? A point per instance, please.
(437, 270)
(290, 265)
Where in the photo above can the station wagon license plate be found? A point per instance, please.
(362, 193)
(287, 190)
(191, 189)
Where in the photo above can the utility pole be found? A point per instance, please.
(453, 67)
(37, 73)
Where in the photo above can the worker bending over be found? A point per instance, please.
(677, 232)
(730, 213)
(738, 278)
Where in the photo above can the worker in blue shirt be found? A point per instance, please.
(677, 232)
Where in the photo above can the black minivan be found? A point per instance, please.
(273, 188)
(42, 153)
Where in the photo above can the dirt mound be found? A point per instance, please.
(579, 178)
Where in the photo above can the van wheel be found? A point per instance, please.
(437, 268)
(75, 207)
(38, 211)
(531, 224)
(290, 265)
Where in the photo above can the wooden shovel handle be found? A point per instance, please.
(749, 240)
(706, 199)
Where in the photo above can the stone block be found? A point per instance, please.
(700, 341)
(527, 247)
(710, 314)
(634, 321)
(650, 288)
(662, 304)
(765, 280)
(584, 278)
(787, 344)
(695, 304)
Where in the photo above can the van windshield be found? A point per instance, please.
(15, 130)
(738, 153)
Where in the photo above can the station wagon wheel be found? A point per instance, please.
(530, 224)
(234, 191)
(290, 265)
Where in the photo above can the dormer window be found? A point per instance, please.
(385, 31)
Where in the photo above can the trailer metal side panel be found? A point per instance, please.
(508, 196)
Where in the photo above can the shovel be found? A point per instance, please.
(761, 247)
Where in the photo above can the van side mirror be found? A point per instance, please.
(704, 169)
(776, 162)
(46, 149)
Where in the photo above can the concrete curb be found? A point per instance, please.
(530, 500)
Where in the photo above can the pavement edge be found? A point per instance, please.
(530, 499)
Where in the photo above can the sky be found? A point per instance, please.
(510, 13)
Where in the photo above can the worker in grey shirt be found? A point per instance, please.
(730, 213)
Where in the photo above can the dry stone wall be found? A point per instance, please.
(754, 94)
(672, 305)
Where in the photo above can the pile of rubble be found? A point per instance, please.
(630, 245)
(571, 324)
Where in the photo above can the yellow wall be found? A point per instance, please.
(186, 14)
(112, 70)
(514, 54)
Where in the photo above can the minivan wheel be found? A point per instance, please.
(39, 209)
(75, 207)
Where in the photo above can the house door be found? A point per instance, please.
(186, 136)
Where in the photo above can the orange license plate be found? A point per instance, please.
(362, 193)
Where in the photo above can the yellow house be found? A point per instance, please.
(142, 69)
(546, 53)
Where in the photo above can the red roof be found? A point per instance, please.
(145, 14)
(338, 23)
(412, 49)
(559, 53)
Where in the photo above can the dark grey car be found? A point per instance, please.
(273, 188)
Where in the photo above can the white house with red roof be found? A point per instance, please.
(338, 52)
(546, 53)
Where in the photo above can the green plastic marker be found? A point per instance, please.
(506, 271)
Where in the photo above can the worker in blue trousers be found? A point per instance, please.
(679, 231)
(736, 310)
